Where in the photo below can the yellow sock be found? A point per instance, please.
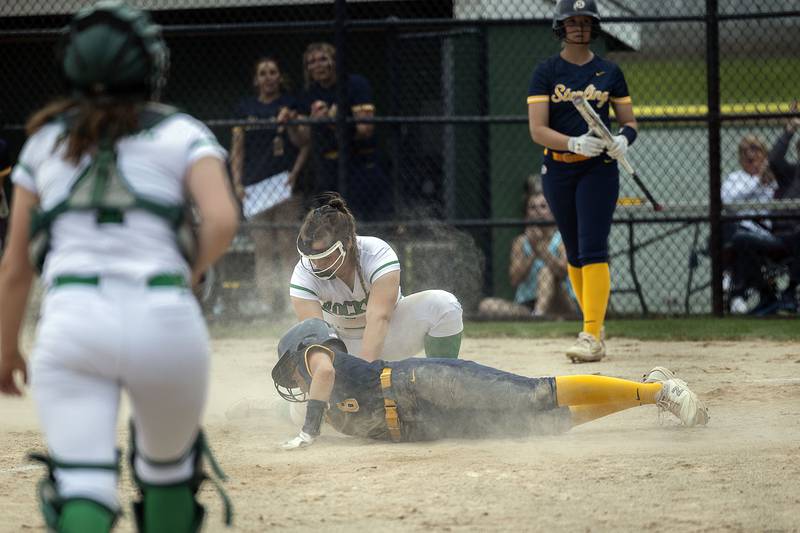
(576, 279)
(580, 414)
(596, 289)
(596, 390)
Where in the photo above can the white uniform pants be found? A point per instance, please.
(93, 342)
(434, 312)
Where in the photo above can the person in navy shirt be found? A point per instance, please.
(367, 184)
(5, 190)
(266, 162)
(580, 177)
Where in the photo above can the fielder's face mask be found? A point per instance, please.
(323, 265)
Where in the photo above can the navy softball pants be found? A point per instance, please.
(582, 197)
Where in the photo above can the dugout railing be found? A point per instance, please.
(479, 137)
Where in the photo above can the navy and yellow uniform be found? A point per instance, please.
(261, 158)
(367, 183)
(425, 399)
(581, 191)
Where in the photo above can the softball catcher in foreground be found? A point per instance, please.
(424, 399)
(106, 173)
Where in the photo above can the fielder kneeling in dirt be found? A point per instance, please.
(424, 399)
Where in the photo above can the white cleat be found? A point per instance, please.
(676, 397)
(587, 349)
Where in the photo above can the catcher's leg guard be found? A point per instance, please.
(173, 507)
(443, 346)
(68, 515)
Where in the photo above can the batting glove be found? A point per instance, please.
(302, 440)
(618, 147)
(587, 145)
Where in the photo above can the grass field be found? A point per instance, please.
(742, 80)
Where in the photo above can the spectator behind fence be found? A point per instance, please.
(5, 189)
(367, 184)
(537, 270)
(747, 241)
(266, 163)
(788, 231)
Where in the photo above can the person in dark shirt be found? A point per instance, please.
(5, 189)
(425, 399)
(266, 162)
(367, 184)
(580, 177)
(787, 232)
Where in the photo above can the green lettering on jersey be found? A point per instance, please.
(346, 308)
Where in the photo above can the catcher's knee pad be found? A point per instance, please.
(172, 506)
(74, 512)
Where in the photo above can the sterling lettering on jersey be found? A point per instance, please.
(346, 308)
(561, 93)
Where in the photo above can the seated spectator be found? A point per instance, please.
(787, 232)
(537, 270)
(266, 162)
(367, 187)
(750, 245)
(5, 190)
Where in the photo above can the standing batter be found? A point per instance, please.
(108, 175)
(353, 282)
(580, 182)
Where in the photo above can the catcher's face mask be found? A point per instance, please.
(323, 265)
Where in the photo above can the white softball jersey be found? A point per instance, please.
(154, 162)
(434, 312)
(95, 340)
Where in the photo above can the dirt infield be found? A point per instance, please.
(626, 472)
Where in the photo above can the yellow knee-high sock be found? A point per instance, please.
(596, 390)
(596, 289)
(576, 279)
(580, 414)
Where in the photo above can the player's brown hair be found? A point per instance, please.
(323, 47)
(89, 121)
(333, 221)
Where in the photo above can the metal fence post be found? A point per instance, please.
(714, 153)
(342, 138)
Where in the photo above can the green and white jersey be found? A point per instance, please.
(154, 162)
(343, 308)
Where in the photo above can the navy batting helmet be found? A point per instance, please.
(291, 352)
(575, 8)
(113, 48)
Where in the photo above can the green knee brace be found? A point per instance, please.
(443, 346)
(78, 515)
(173, 507)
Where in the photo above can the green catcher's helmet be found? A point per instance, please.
(113, 48)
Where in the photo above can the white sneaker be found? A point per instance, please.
(676, 397)
(587, 349)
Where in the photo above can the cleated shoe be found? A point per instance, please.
(658, 375)
(676, 397)
(587, 349)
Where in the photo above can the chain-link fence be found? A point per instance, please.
(433, 152)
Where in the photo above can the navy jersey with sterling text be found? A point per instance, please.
(260, 158)
(556, 81)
